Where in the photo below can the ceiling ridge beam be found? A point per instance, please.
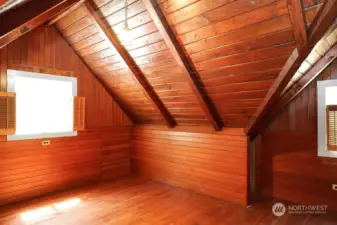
(125, 57)
(184, 62)
(298, 24)
(316, 31)
(41, 14)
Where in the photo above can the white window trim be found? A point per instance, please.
(321, 119)
(10, 88)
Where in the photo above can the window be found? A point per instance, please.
(327, 118)
(44, 104)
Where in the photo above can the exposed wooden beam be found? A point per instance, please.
(132, 117)
(297, 88)
(184, 62)
(325, 16)
(112, 39)
(65, 12)
(298, 24)
(317, 29)
(16, 23)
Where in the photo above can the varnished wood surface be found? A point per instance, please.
(45, 48)
(319, 27)
(27, 168)
(236, 40)
(289, 166)
(16, 23)
(184, 63)
(139, 201)
(81, 33)
(195, 158)
(321, 57)
(127, 60)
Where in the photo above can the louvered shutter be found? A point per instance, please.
(7, 113)
(331, 118)
(79, 113)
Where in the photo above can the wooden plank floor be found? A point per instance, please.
(139, 201)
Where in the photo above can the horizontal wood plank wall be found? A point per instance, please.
(101, 152)
(195, 158)
(289, 166)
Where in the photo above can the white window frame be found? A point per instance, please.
(321, 119)
(10, 88)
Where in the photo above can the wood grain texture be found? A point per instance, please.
(195, 158)
(34, 14)
(297, 20)
(82, 33)
(316, 32)
(227, 40)
(320, 58)
(224, 40)
(101, 152)
(290, 167)
(184, 63)
(127, 60)
(139, 201)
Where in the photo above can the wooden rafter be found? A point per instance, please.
(298, 24)
(132, 117)
(184, 62)
(112, 39)
(29, 16)
(317, 29)
(297, 88)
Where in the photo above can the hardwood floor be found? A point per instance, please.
(138, 201)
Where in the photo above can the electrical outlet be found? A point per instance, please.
(334, 187)
(46, 142)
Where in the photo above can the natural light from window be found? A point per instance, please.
(331, 95)
(44, 105)
(46, 212)
(326, 102)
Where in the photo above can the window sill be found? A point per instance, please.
(41, 136)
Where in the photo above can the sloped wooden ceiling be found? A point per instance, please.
(237, 49)
(310, 9)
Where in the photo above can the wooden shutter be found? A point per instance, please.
(331, 118)
(7, 113)
(79, 113)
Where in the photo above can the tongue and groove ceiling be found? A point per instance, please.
(238, 48)
(234, 50)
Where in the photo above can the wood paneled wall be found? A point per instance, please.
(27, 169)
(289, 167)
(195, 158)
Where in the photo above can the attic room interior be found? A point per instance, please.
(186, 112)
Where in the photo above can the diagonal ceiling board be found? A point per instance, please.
(296, 89)
(120, 102)
(128, 60)
(66, 12)
(28, 17)
(237, 47)
(189, 71)
(321, 23)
